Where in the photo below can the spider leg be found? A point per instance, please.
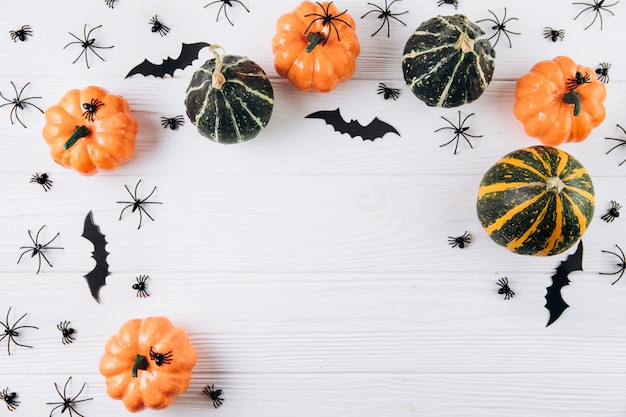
(31, 104)
(51, 240)
(243, 5)
(124, 209)
(380, 9)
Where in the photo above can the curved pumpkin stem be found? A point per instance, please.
(464, 44)
(141, 362)
(573, 97)
(218, 78)
(314, 38)
(79, 132)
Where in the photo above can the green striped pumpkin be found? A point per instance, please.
(238, 109)
(536, 201)
(448, 61)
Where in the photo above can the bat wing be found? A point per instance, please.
(374, 130)
(554, 300)
(188, 54)
(96, 279)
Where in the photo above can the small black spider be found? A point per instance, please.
(612, 213)
(500, 27)
(603, 72)
(455, 3)
(91, 108)
(18, 103)
(66, 331)
(622, 142)
(11, 331)
(110, 3)
(621, 264)
(172, 122)
(573, 83)
(385, 14)
(137, 204)
(68, 403)
(140, 286)
(225, 3)
(553, 34)
(505, 289)
(460, 241)
(328, 19)
(161, 358)
(388, 92)
(38, 249)
(10, 398)
(43, 180)
(158, 27)
(87, 43)
(214, 395)
(459, 131)
(597, 7)
(21, 33)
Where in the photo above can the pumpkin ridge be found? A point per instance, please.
(541, 159)
(507, 216)
(444, 94)
(555, 237)
(506, 186)
(514, 162)
(514, 244)
(582, 219)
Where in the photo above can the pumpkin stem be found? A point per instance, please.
(315, 38)
(554, 185)
(573, 97)
(464, 44)
(79, 132)
(218, 78)
(141, 362)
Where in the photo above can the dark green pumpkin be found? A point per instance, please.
(448, 61)
(235, 111)
(536, 201)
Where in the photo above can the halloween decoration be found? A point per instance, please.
(43, 180)
(68, 403)
(137, 204)
(147, 363)
(214, 395)
(374, 129)
(21, 34)
(505, 289)
(96, 278)
(315, 46)
(110, 3)
(10, 331)
(10, 398)
(603, 72)
(172, 122)
(554, 300)
(98, 139)
(388, 92)
(66, 332)
(612, 213)
(621, 264)
(536, 201)
(230, 98)
(158, 27)
(553, 34)
(460, 130)
(38, 249)
(559, 101)
(87, 44)
(460, 241)
(225, 3)
(597, 7)
(621, 142)
(448, 61)
(454, 3)
(140, 286)
(18, 103)
(500, 27)
(385, 14)
(188, 54)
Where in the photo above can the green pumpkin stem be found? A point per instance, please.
(141, 362)
(573, 97)
(554, 185)
(79, 132)
(315, 38)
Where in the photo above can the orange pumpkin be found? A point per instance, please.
(147, 363)
(315, 46)
(90, 130)
(559, 101)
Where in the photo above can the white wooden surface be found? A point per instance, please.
(311, 270)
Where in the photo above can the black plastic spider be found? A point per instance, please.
(11, 331)
(455, 3)
(110, 3)
(603, 72)
(327, 20)
(214, 395)
(460, 241)
(388, 92)
(43, 180)
(597, 7)
(87, 43)
(158, 27)
(137, 204)
(10, 398)
(621, 264)
(500, 27)
(161, 358)
(505, 289)
(91, 108)
(140, 286)
(225, 3)
(553, 34)
(385, 14)
(459, 131)
(172, 122)
(38, 249)
(18, 103)
(612, 213)
(68, 403)
(21, 33)
(579, 79)
(622, 142)
(66, 331)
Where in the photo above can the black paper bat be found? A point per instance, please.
(96, 279)
(188, 54)
(374, 130)
(554, 300)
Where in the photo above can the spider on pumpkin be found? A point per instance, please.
(68, 403)
(18, 103)
(225, 3)
(505, 289)
(43, 180)
(597, 7)
(10, 398)
(553, 34)
(500, 27)
(327, 20)
(66, 332)
(161, 358)
(460, 241)
(621, 264)
(579, 79)
(21, 34)
(137, 203)
(87, 44)
(613, 212)
(385, 14)
(459, 131)
(158, 27)
(11, 331)
(91, 108)
(214, 395)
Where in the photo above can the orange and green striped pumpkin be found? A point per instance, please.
(536, 201)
